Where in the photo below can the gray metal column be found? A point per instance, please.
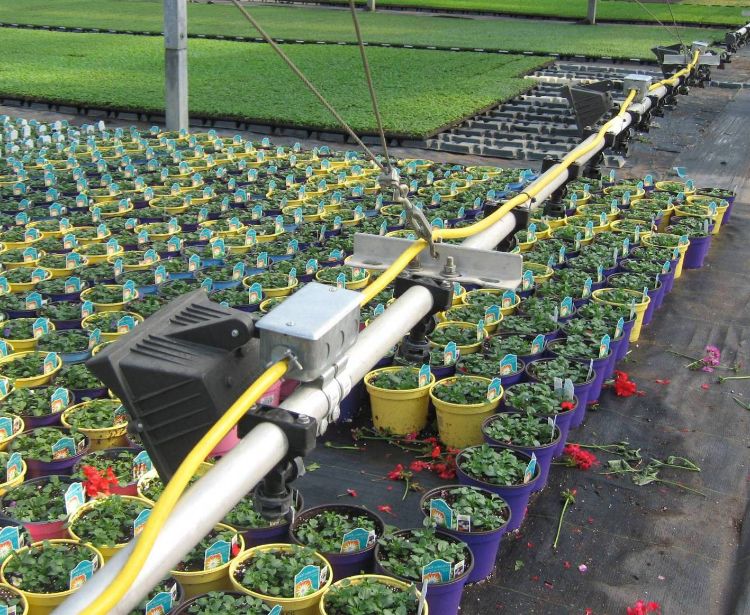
(591, 16)
(370, 5)
(175, 64)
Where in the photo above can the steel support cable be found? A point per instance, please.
(306, 81)
(370, 86)
(643, 6)
(674, 21)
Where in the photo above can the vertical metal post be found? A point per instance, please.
(175, 64)
(591, 16)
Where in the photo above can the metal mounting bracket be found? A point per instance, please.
(469, 265)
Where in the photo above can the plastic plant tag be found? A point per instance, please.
(424, 375)
(568, 389)
(40, 327)
(561, 255)
(527, 280)
(217, 555)
(645, 293)
(141, 465)
(120, 416)
(626, 246)
(112, 247)
(587, 288)
(589, 230)
(292, 247)
(81, 573)
(11, 538)
(492, 314)
(218, 248)
(508, 299)
(60, 399)
(194, 263)
(357, 539)
(566, 307)
(38, 275)
(508, 365)
(600, 273)
(437, 223)
(94, 338)
(441, 513)
(128, 291)
(254, 293)
(8, 426)
(311, 266)
(278, 224)
(125, 324)
(160, 604)
(74, 498)
(450, 353)
(530, 469)
(33, 301)
(341, 280)
(604, 346)
(307, 581)
(291, 278)
(537, 344)
(619, 327)
(494, 389)
(30, 254)
(207, 284)
(437, 571)
(87, 309)
(613, 206)
(3, 353)
(683, 241)
(481, 330)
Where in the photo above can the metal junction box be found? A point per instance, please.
(317, 325)
(639, 83)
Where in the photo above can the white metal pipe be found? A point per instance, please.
(489, 238)
(202, 506)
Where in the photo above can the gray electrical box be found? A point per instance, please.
(317, 324)
(639, 83)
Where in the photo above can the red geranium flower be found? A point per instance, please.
(579, 458)
(644, 608)
(418, 466)
(624, 387)
(396, 473)
(567, 405)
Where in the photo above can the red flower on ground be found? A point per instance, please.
(579, 458)
(418, 466)
(436, 452)
(385, 508)
(644, 608)
(624, 387)
(410, 437)
(396, 473)
(352, 492)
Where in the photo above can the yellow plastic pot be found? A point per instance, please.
(460, 425)
(290, 209)
(104, 307)
(640, 308)
(209, 224)
(18, 264)
(282, 291)
(142, 266)
(25, 287)
(171, 209)
(154, 236)
(554, 223)
(5, 487)
(87, 241)
(28, 343)
(645, 228)
(96, 259)
(63, 273)
(353, 285)
(584, 241)
(35, 381)
(389, 581)
(542, 234)
(306, 605)
(24, 605)
(660, 186)
(214, 580)
(505, 311)
(580, 222)
(18, 427)
(398, 412)
(107, 551)
(702, 199)
(635, 194)
(542, 273)
(87, 324)
(100, 439)
(526, 246)
(450, 316)
(43, 604)
(463, 350)
(682, 248)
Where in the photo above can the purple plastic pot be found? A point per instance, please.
(64, 467)
(65, 297)
(39, 530)
(544, 454)
(483, 544)
(343, 564)
(602, 368)
(580, 390)
(351, 404)
(21, 313)
(80, 395)
(516, 377)
(270, 535)
(517, 496)
(442, 598)
(696, 252)
(48, 420)
(66, 324)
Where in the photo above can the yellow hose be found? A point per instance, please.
(175, 487)
(390, 274)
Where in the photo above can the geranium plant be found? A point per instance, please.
(488, 511)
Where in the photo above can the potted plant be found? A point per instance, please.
(107, 522)
(14, 306)
(42, 453)
(17, 426)
(405, 554)
(72, 345)
(82, 383)
(273, 284)
(475, 516)
(637, 282)
(8, 481)
(465, 335)
(108, 323)
(668, 240)
(119, 460)
(502, 471)
(64, 314)
(488, 297)
(105, 297)
(398, 399)
(589, 352)
(255, 528)
(29, 369)
(533, 324)
(11, 598)
(34, 406)
(546, 370)
(627, 299)
(353, 280)
(103, 421)
(610, 315)
(198, 574)
(213, 603)
(270, 573)
(371, 594)
(38, 504)
(328, 530)
(525, 433)
(21, 334)
(42, 571)
(462, 404)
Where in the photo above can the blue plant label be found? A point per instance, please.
(587, 288)
(142, 237)
(561, 255)
(128, 291)
(292, 247)
(40, 327)
(626, 198)
(139, 522)
(527, 280)
(13, 467)
(441, 513)
(125, 324)
(291, 278)
(308, 580)
(207, 284)
(566, 307)
(481, 330)
(600, 273)
(494, 389)
(437, 571)
(160, 604)
(508, 299)
(217, 555)
(95, 338)
(341, 280)
(38, 274)
(11, 538)
(64, 448)
(33, 301)
(218, 248)
(112, 247)
(141, 465)
(22, 218)
(437, 223)
(8, 426)
(120, 416)
(261, 262)
(683, 241)
(425, 375)
(645, 293)
(278, 224)
(3, 353)
(60, 399)
(530, 469)
(87, 309)
(81, 573)
(450, 353)
(508, 365)
(30, 255)
(74, 497)
(254, 293)
(194, 263)
(357, 540)
(238, 271)
(604, 346)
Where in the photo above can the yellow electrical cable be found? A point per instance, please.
(175, 487)
(390, 274)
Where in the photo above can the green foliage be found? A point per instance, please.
(110, 522)
(37, 443)
(194, 561)
(405, 554)
(401, 379)
(65, 340)
(272, 573)
(45, 568)
(534, 398)
(26, 366)
(38, 501)
(222, 602)
(325, 531)
(547, 370)
(488, 511)
(461, 390)
(370, 597)
(519, 430)
(497, 467)
(94, 414)
(121, 463)
(78, 378)
(29, 402)
(462, 335)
